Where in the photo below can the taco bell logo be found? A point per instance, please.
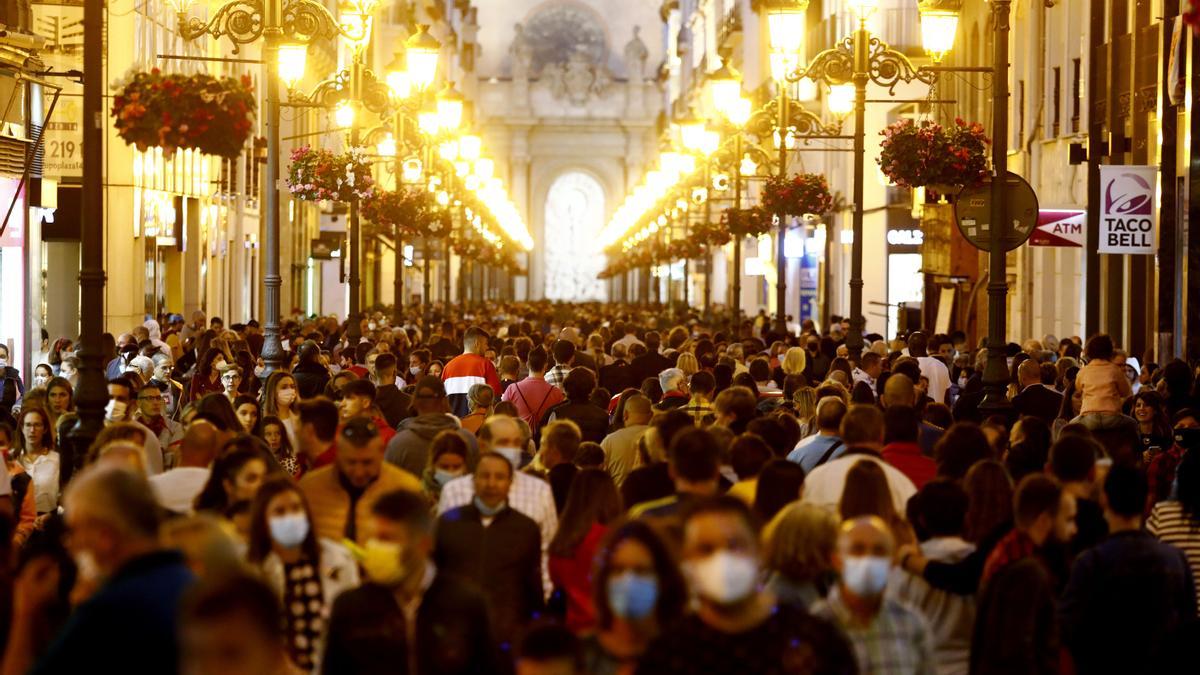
(1128, 214)
(1129, 194)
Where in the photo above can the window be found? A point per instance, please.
(1056, 102)
(1076, 92)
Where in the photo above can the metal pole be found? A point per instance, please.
(708, 251)
(398, 281)
(353, 325)
(736, 273)
(272, 350)
(92, 394)
(780, 261)
(995, 372)
(425, 296)
(854, 337)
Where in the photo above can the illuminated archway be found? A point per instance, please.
(574, 216)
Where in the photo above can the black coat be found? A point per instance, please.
(393, 403)
(504, 559)
(367, 632)
(1038, 401)
(310, 380)
(617, 377)
(649, 364)
(592, 419)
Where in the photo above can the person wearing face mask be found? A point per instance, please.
(207, 377)
(637, 592)
(120, 408)
(529, 495)
(736, 627)
(495, 547)
(447, 461)
(888, 637)
(410, 605)
(114, 523)
(42, 374)
(306, 572)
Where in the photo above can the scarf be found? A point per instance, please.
(1013, 547)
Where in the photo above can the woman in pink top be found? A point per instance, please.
(1103, 387)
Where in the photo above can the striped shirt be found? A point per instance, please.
(464, 372)
(897, 641)
(1172, 526)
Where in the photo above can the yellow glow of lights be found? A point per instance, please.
(448, 150)
(387, 146)
(724, 87)
(863, 9)
(442, 197)
(469, 147)
(449, 108)
(748, 167)
(785, 23)
(422, 51)
(411, 172)
(738, 111)
(484, 168)
(939, 23)
(398, 82)
(344, 115)
(427, 122)
(291, 60)
(841, 99)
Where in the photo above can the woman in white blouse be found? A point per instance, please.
(34, 450)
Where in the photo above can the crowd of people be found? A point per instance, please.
(539, 488)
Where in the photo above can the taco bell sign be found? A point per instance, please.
(1128, 212)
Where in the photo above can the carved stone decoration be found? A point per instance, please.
(635, 57)
(522, 53)
(577, 79)
(562, 29)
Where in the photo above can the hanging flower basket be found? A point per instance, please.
(437, 224)
(470, 248)
(927, 154)
(200, 112)
(323, 175)
(751, 222)
(712, 234)
(687, 249)
(805, 193)
(402, 208)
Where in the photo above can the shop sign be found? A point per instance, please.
(62, 26)
(1127, 209)
(1060, 227)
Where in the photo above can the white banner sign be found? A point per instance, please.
(1128, 212)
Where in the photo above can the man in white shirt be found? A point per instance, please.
(177, 489)
(932, 369)
(862, 431)
(528, 494)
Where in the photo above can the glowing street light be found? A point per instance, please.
(939, 23)
(292, 58)
(422, 51)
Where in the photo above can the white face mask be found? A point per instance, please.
(115, 410)
(414, 370)
(40, 380)
(513, 455)
(723, 577)
(3, 363)
(286, 396)
(866, 576)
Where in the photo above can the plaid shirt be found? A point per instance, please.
(896, 642)
(701, 412)
(528, 495)
(557, 374)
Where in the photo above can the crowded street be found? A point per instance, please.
(599, 337)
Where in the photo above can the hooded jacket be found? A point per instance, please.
(409, 448)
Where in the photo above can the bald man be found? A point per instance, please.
(621, 446)
(1035, 398)
(177, 489)
(887, 636)
(899, 390)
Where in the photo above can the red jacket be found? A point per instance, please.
(574, 576)
(464, 372)
(907, 457)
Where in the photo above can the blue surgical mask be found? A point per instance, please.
(489, 511)
(866, 576)
(289, 531)
(441, 476)
(632, 595)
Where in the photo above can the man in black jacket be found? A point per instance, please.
(393, 403)
(1035, 399)
(618, 375)
(651, 363)
(495, 547)
(367, 627)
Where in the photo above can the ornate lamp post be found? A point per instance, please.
(860, 59)
(286, 27)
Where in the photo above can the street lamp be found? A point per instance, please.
(422, 51)
(939, 24)
(858, 61)
(449, 108)
(278, 23)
